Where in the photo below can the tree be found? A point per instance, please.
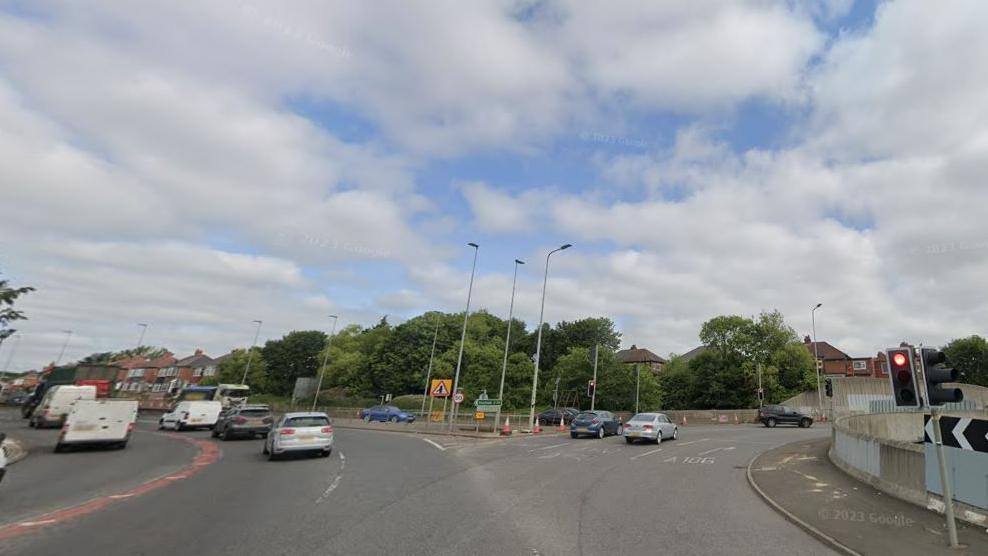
(294, 355)
(8, 295)
(721, 381)
(231, 370)
(676, 383)
(970, 357)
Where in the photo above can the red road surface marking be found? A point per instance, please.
(208, 454)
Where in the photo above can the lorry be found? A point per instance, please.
(100, 376)
(98, 422)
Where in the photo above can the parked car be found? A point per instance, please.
(17, 399)
(300, 432)
(57, 403)
(595, 423)
(191, 415)
(654, 427)
(772, 415)
(552, 416)
(386, 413)
(98, 422)
(249, 420)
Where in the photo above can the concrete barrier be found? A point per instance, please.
(886, 451)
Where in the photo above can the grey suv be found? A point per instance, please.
(247, 420)
(772, 415)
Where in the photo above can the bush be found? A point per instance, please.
(409, 402)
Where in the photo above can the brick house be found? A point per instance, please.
(144, 376)
(641, 356)
(192, 369)
(838, 363)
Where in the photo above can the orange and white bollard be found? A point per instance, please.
(506, 430)
(537, 428)
(562, 424)
(684, 420)
(736, 420)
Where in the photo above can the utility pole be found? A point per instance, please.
(463, 337)
(593, 395)
(428, 374)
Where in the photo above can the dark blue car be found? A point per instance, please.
(595, 423)
(386, 413)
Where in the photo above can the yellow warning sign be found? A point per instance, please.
(441, 387)
(438, 416)
(479, 416)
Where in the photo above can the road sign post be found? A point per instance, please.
(948, 497)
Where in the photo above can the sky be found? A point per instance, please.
(196, 166)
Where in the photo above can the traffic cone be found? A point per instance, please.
(537, 428)
(736, 420)
(562, 424)
(506, 430)
(684, 420)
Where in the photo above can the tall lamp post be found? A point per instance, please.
(463, 336)
(68, 336)
(325, 359)
(538, 342)
(816, 358)
(250, 352)
(140, 339)
(428, 373)
(507, 343)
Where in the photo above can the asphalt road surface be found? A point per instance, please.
(392, 493)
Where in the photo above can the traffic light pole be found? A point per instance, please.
(948, 497)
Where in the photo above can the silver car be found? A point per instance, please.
(653, 427)
(300, 432)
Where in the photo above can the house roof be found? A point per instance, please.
(196, 360)
(825, 351)
(636, 354)
(166, 360)
(693, 353)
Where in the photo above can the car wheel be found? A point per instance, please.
(393, 419)
(264, 450)
(805, 423)
(658, 437)
(214, 433)
(675, 433)
(601, 433)
(121, 445)
(770, 423)
(227, 435)
(272, 456)
(326, 453)
(573, 435)
(59, 448)
(367, 419)
(629, 440)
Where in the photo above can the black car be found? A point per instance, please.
(245, 421)
(552, 416)
(772, 415)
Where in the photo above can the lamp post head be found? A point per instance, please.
(567, 246)
(333, 317)
(517, 261)
(474, 245)
(256, 321)
(818, 305)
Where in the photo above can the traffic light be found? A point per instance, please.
(829, 388)
(591, 386)
(936, 374)
(902, 373)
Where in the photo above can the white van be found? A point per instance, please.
(192, 415)
(3, 455)
(57, 404)
(106, 422)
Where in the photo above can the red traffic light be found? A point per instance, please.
(899, 360)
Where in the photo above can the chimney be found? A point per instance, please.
(806, 339)
(633, 346)
(198, 351)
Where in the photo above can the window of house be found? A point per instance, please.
(860, 365)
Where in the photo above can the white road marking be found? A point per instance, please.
(118, 496)
(332, 487)
(691, 442)
(342, 462)
(716, 450)
(436, 444)
(647, 453)
(34, 523)
(553, 446)
(550, 456)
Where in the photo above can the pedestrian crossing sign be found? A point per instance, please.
(441, 387)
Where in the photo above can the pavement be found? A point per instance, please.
(382, 492)
(799, 480)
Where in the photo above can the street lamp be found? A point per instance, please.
(140, 339)
(68, 336)
(463, 336)
(538, 342)
(507, 343)
(250, 352)
(322, 370)
(428, 374)
(816, 358)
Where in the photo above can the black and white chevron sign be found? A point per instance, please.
(960, 432)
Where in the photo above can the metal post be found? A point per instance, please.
(463, 336)
(428, 421)
(593, 395)
(250, 352)
(140, 339)
(325, 359)
(816, 359)
(761, 392)
(428, 374)
(948, 497)
(538, 342)
(68, 336)
(638, 382)
(507, 344)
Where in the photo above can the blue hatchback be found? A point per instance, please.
(386, 413)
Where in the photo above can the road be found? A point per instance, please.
(398, 493)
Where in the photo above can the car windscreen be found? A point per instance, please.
(314, 421)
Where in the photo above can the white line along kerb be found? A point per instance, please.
(958, 432)
(436, 444)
